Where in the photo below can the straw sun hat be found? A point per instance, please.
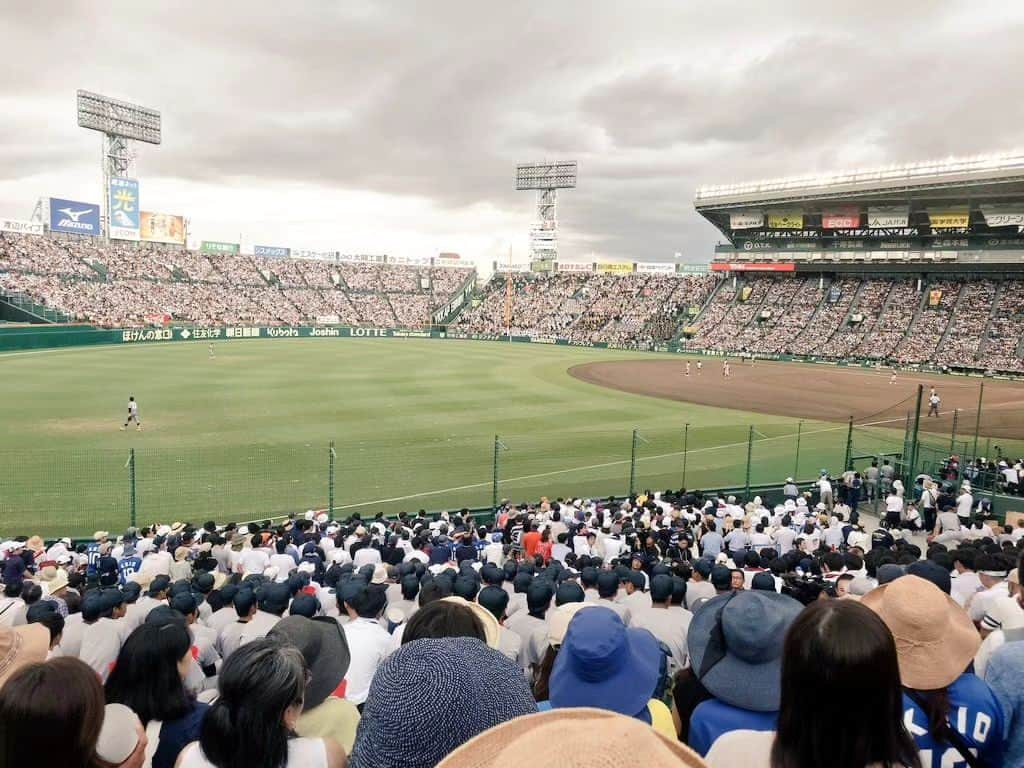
(935, 638)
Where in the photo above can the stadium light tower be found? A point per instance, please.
(120, 123)
(547, 179)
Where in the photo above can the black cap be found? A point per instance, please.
(703, 566)
(763, 581)
(274, 598)
(203, 582)
(607, 583)
(494, 599)
(721, 578)
(159, 584)
(568, 592)
(304, 605)
(933, 572)
(637, 579)
(538, 596)
(184, 603)
(661, 588)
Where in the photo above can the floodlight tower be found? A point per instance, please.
(120, 123)
(547, 179)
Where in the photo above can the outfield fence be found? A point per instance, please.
(66, 492)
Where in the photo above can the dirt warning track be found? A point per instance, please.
(818, 392)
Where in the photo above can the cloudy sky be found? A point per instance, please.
(395, 127)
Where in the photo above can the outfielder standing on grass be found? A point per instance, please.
(133, 415)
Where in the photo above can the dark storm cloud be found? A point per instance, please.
(441, 100)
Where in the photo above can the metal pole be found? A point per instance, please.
(331, 458)
(632, 467)
(494, 476)
(750, 452)
(131, 487)
(952, 434)
(686, 438)
(977, 419)
(914, 436)
(796, 468)
(848, 462)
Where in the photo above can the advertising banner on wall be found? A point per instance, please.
(616, 268)
(513, 267)
(18, 226)
(542, 265)
(785, 220)
(162, 228)
(574, 266)
(887, 217)
(272, 251)
(74, 217)
(123, 209)
(746, 220)
(213, 246)
(1003, 215)
(949, 219)
(692, 269)
(841, 217)
(655, 268)
(777, 267)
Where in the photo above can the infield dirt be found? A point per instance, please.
(819, 392)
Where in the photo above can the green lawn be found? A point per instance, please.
(247, 435)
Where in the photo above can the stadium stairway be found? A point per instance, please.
(18, 308)
(850, 310)
(921, 304)
(961, 293)
(985, 341)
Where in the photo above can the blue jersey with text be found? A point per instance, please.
(975, 713)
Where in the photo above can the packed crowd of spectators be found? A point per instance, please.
(666, 629)
(130, 285)
(968, 326)
(637, 309)
(1001, 349)
(927, 332)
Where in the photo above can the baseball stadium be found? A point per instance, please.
(276, 381)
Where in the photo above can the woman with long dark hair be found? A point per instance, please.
(252, 724)
(55, 708)
(149, 678)
(841, 702)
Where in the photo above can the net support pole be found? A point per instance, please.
(848, 461)
(132, 516)
(750, 455)
(686, 439)
(632, 465)
(952, 433)
(914, 436)
(331, 462)
(796, 464)
(977, 420)
(494, 476)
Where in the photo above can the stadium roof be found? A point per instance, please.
(987, 176)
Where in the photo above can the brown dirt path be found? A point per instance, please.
(817, 392)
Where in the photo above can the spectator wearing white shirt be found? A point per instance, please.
(368, 642)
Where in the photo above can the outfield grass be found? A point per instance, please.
(247, 435)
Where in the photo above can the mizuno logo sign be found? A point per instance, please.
(74, 215)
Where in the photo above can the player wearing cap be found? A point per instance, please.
(133, 415)
(933, 404)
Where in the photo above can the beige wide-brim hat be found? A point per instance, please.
(485, 617)
(935, 638)
(21, 646)
(582, 737)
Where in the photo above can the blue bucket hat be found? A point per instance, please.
(450, 689)
(605, 665)
(735, 643)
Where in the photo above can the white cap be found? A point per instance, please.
(119, 735)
